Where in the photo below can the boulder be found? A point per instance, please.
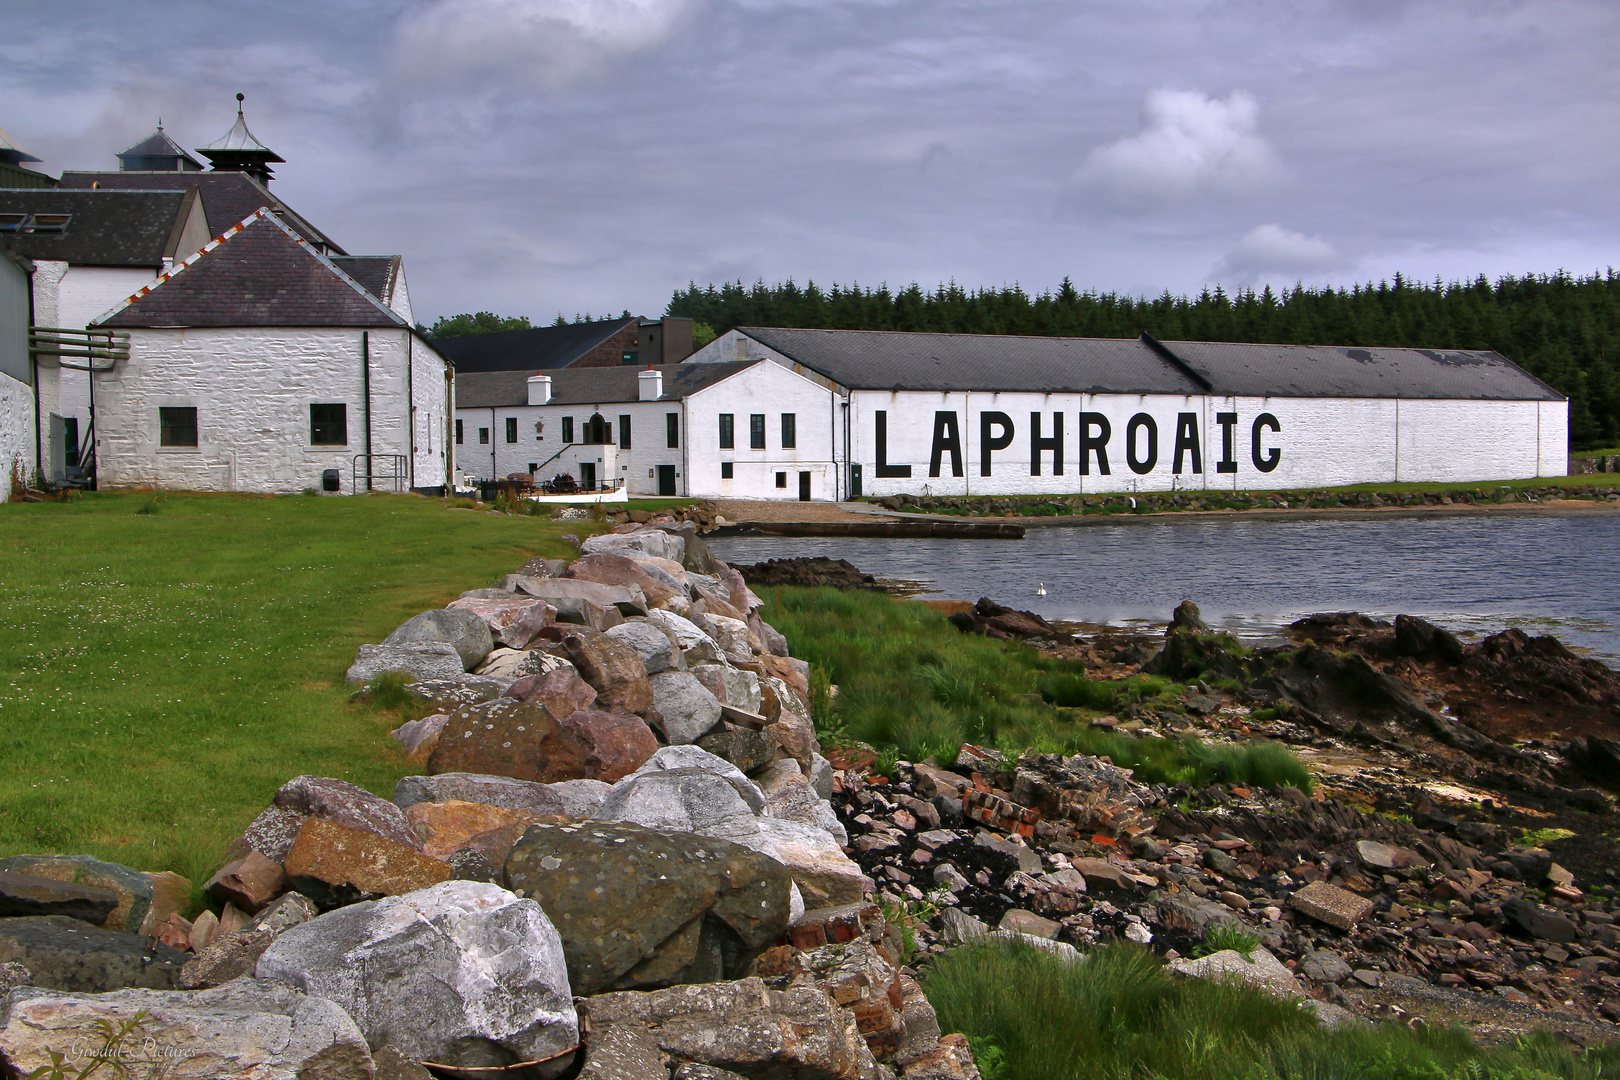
(284, 914)
(463, 974)
(464, 689)
(652, 643)
(680, 800)
(653, 542)
(67, 954)
(271, 833)
(743, 747)
(730, 634)
(775, 644)
(1330, 904)
(696, 646)
(606, 568)
(614, 744)
(465, 630)
(446, 827)
(510, 665)
(732, 685)
(242, 1029)
(227, 957)
(436, 661)
(824, 874)
(133, 889)
(693, 757)
(334, 865)
(1389, 857)
(513, 621)
(1422, 640)
(250, 882)
(508, 738)
(1539, 922)
(688, 709)
(1324, 965)
(639, 907)
(560, 690)
(613, 669)
(1260, 969)
(570, 798)
(566, 595)
(744, 1027)
(793, 799)
(418, 737)
(27, 894)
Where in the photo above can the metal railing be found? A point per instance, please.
(396, 475)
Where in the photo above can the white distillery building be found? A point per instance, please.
(673, 429)
(967, 414)
(261, 365)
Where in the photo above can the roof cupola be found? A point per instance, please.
(157, 153)
(238, 151)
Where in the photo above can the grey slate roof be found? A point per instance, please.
(159, 145)
(589, 386)
(377, 273)
(107, 228)
(1336, 371)
(228, 197)
(891, 360)
(264, 275)
(540, 349)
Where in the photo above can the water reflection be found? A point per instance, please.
(1479, 574)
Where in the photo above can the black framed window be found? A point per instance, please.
(725, 470)
(329, 425)
(511, 429)
(624, 432)
(483, 435)
(568, 429)
(781, 479)
(756, 431)
(790, 430)
(728, 431)
(458, 432)
(672, 430)
(177, 426)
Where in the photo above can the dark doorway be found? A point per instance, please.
(587, 475)
(804, 487)
(666, 479)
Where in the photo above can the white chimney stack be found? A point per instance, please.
(652, 384)
(539, 389)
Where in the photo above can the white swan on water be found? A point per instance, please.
(1040, 588)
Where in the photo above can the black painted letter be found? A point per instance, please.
(989, 442)
(1187, 441)
(1088, 420)
(884, 469)
(1145, 464)
(1228, 421)
(947, 439)
(1038, 444)
(1270, 460)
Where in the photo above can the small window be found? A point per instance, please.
(329, 425)
(483, 435)
(781, 479)
(177, 427)
(624, 432)
(12, 222)
(458, 432)
(511, 429)
(725, 470)
(534, 467)
(728, 431)
(629, 356)
(568, 429)
(672, 430)
(48, 223)
(756, 431)
(790, 431)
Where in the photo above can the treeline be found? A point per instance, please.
(1563, 329)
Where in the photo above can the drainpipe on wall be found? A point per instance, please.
(365, 384)
(33, 359)
(410, 411)
(494, 470)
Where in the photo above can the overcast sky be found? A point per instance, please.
(536, 156)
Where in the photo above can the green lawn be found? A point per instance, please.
(167, 662)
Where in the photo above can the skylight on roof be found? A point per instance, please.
(12, 222)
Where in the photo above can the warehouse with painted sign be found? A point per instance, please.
(969, 414)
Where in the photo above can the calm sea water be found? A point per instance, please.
(1552, 573)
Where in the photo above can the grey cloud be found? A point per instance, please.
(1272, 253)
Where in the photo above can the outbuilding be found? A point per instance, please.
(970, 414)
(260, 364)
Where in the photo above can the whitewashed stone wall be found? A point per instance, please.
(84, 294)
(252, 389)
(16, 432)
(430, 410)
(772, 390)
(539, 442)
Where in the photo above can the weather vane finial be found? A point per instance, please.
(239, 99)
